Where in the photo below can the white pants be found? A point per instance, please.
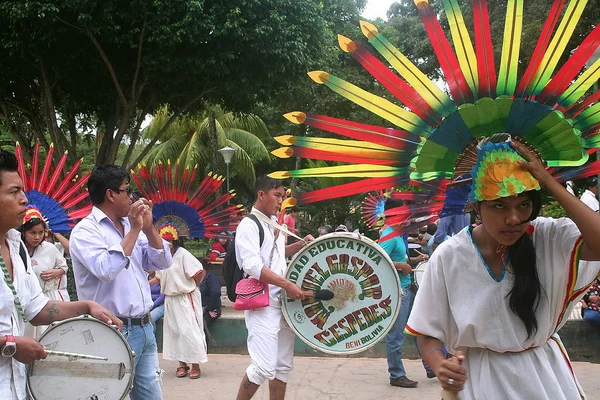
(270, 345)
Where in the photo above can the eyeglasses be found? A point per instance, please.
(129, 191)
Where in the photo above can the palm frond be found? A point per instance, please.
(247, 122)
(251, 144)
(244, 168)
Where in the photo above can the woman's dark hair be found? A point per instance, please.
(526, 291)
(30, 224)
(177, 243)
(105, 177)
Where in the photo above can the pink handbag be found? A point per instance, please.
(251, 294)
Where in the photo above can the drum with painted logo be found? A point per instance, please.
(65, 378)
(366, 290)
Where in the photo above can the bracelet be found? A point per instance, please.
(431, 351)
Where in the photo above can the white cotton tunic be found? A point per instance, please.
(460, 303)
(183, 327)
(45, 257)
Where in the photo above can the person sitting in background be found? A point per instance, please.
(219, 247)
(590, 304)
(341, 228)
(210, 290)
(324, 230)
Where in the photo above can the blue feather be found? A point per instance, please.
(187, 214)
(51, 210)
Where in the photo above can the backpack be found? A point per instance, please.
(232, 273)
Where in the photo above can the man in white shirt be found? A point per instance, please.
(26, 301)
(270, 339)
(590, 196)
(110, 249)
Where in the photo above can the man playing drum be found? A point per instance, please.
(110, 248)
(21, 298)
(270, 339)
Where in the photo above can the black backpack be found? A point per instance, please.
(232, 273)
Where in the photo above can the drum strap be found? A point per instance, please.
(9, 283)
(275, 225)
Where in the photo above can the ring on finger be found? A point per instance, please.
(450, 381)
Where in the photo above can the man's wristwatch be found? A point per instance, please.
(10, 348)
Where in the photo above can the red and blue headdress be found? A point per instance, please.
(179, 212)
(59, 204)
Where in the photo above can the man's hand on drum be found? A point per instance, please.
(97, 311)
(293, 291)
(29, 350)
(421, 257)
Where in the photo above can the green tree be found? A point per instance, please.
(73, 67)
(188, 142)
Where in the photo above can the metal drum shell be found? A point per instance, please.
(125, 355)
(384, 268)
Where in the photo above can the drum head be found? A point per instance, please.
(420, 271)
(366, 291)
(64, 378)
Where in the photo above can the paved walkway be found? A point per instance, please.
(324, 379)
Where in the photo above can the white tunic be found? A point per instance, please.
(33, 301)
(183, 334)
(460, 303)
(46, 256)
(590, 200)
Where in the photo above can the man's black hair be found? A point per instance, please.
(105, 177)
(8, 162)
(265, 184)
(392, 203)
(592, 181)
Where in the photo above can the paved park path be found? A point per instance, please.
(324, 379)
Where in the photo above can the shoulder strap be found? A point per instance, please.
(23, 254)
(261, 232)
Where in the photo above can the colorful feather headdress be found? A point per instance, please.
(433, 131)
(179, 212)
(60, 205)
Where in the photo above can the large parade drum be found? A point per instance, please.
(366, 291)
(419, 272)
(65, 378)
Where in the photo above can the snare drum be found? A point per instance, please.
(419, 272)
(63, 378)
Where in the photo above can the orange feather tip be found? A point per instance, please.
(320, 77)
(422, 4)
(280, 175)
(346, 44)
(283, 152)
(286, 140)
(368, 29)
(297, 117)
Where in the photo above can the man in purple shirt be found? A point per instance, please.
(110, 249)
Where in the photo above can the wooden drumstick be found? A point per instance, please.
(447, 395)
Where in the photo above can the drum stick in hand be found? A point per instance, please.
(322, 294)
(447, 395)
(75, 355)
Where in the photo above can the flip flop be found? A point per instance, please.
(182, 371)
(195, 374)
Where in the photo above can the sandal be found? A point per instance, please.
(195, 374)
(182, 371)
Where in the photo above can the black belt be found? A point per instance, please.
(136, 321)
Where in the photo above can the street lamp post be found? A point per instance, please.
(227, 153)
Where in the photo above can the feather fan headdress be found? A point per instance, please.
(59, 204)
(434, 134)
(179, 212)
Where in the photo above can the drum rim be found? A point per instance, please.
(93, 319)
(355, 236)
